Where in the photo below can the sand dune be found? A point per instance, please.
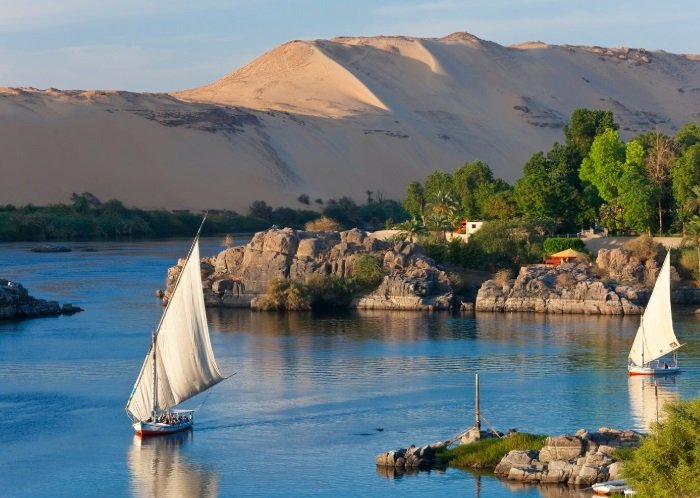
(329, 118)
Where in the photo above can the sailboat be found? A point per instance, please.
(180, 362)
(655, 336)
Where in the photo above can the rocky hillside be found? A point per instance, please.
(329, 118)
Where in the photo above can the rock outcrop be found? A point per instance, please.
(579, 288)
(582, 459)
(16, 303)
(238, 276)
(568, 288)
(406, 459)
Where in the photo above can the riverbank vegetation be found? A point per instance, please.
(594, 181)
(86, 217)
(667, 463)
(485, 454)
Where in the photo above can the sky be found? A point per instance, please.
(167, 45)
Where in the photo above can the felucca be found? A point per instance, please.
(180, 362)
(655, 336)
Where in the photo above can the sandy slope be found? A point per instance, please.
(331, 118)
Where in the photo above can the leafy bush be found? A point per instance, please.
(329, 291)
(554, 245)
(284, 295)
(667, 463)
(367, 272)
(487, 453)
(687, 264)
(645, 247)
(323, 224)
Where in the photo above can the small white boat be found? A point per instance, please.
(655, 336)
(611, 487)
(180, 362)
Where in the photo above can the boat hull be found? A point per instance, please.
(610, 487)
(654, 368)
(160, 429)
(167, 422)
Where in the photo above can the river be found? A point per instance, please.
(314, 398)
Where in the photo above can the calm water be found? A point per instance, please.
(315, 396)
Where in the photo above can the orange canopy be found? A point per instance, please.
(567, 253)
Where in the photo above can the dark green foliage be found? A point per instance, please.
(487, 453)
(501, 206)
(367, 272)
(554, 245)
(438, 181)
(585, 125)
(371, 216)
(414, 203)
(112, 220)
(687, 136)
(507, 244)
(285, 295)
(329, 291)
(668, 461)
(475, 184)
(550, 187)
(685, 176)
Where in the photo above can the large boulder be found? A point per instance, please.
(562, 447)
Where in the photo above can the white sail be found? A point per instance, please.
(655, 337)
(185, 360)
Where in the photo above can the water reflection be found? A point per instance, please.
(549, 490)
(158, 468)
(648, 395)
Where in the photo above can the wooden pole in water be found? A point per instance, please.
(477, 417)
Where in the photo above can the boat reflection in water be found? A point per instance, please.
(159, 468)
(648, 395)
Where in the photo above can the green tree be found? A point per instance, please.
(685, 176)
(414, 202)
(443, 210)
(411, 229)
(636, 191)
(501, 206)
(667, 463)
(660, 155)
(474, 184)
(550, 188)
(603, 167)
(438, 181)
(692, 236)
(687, 136)
(585, 126)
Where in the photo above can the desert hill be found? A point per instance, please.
(329, 118)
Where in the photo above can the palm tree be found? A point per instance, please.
(411, 229)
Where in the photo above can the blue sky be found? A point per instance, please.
(159, 45)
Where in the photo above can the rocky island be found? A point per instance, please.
(16, 303)
(238, 276)
(619, 283)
